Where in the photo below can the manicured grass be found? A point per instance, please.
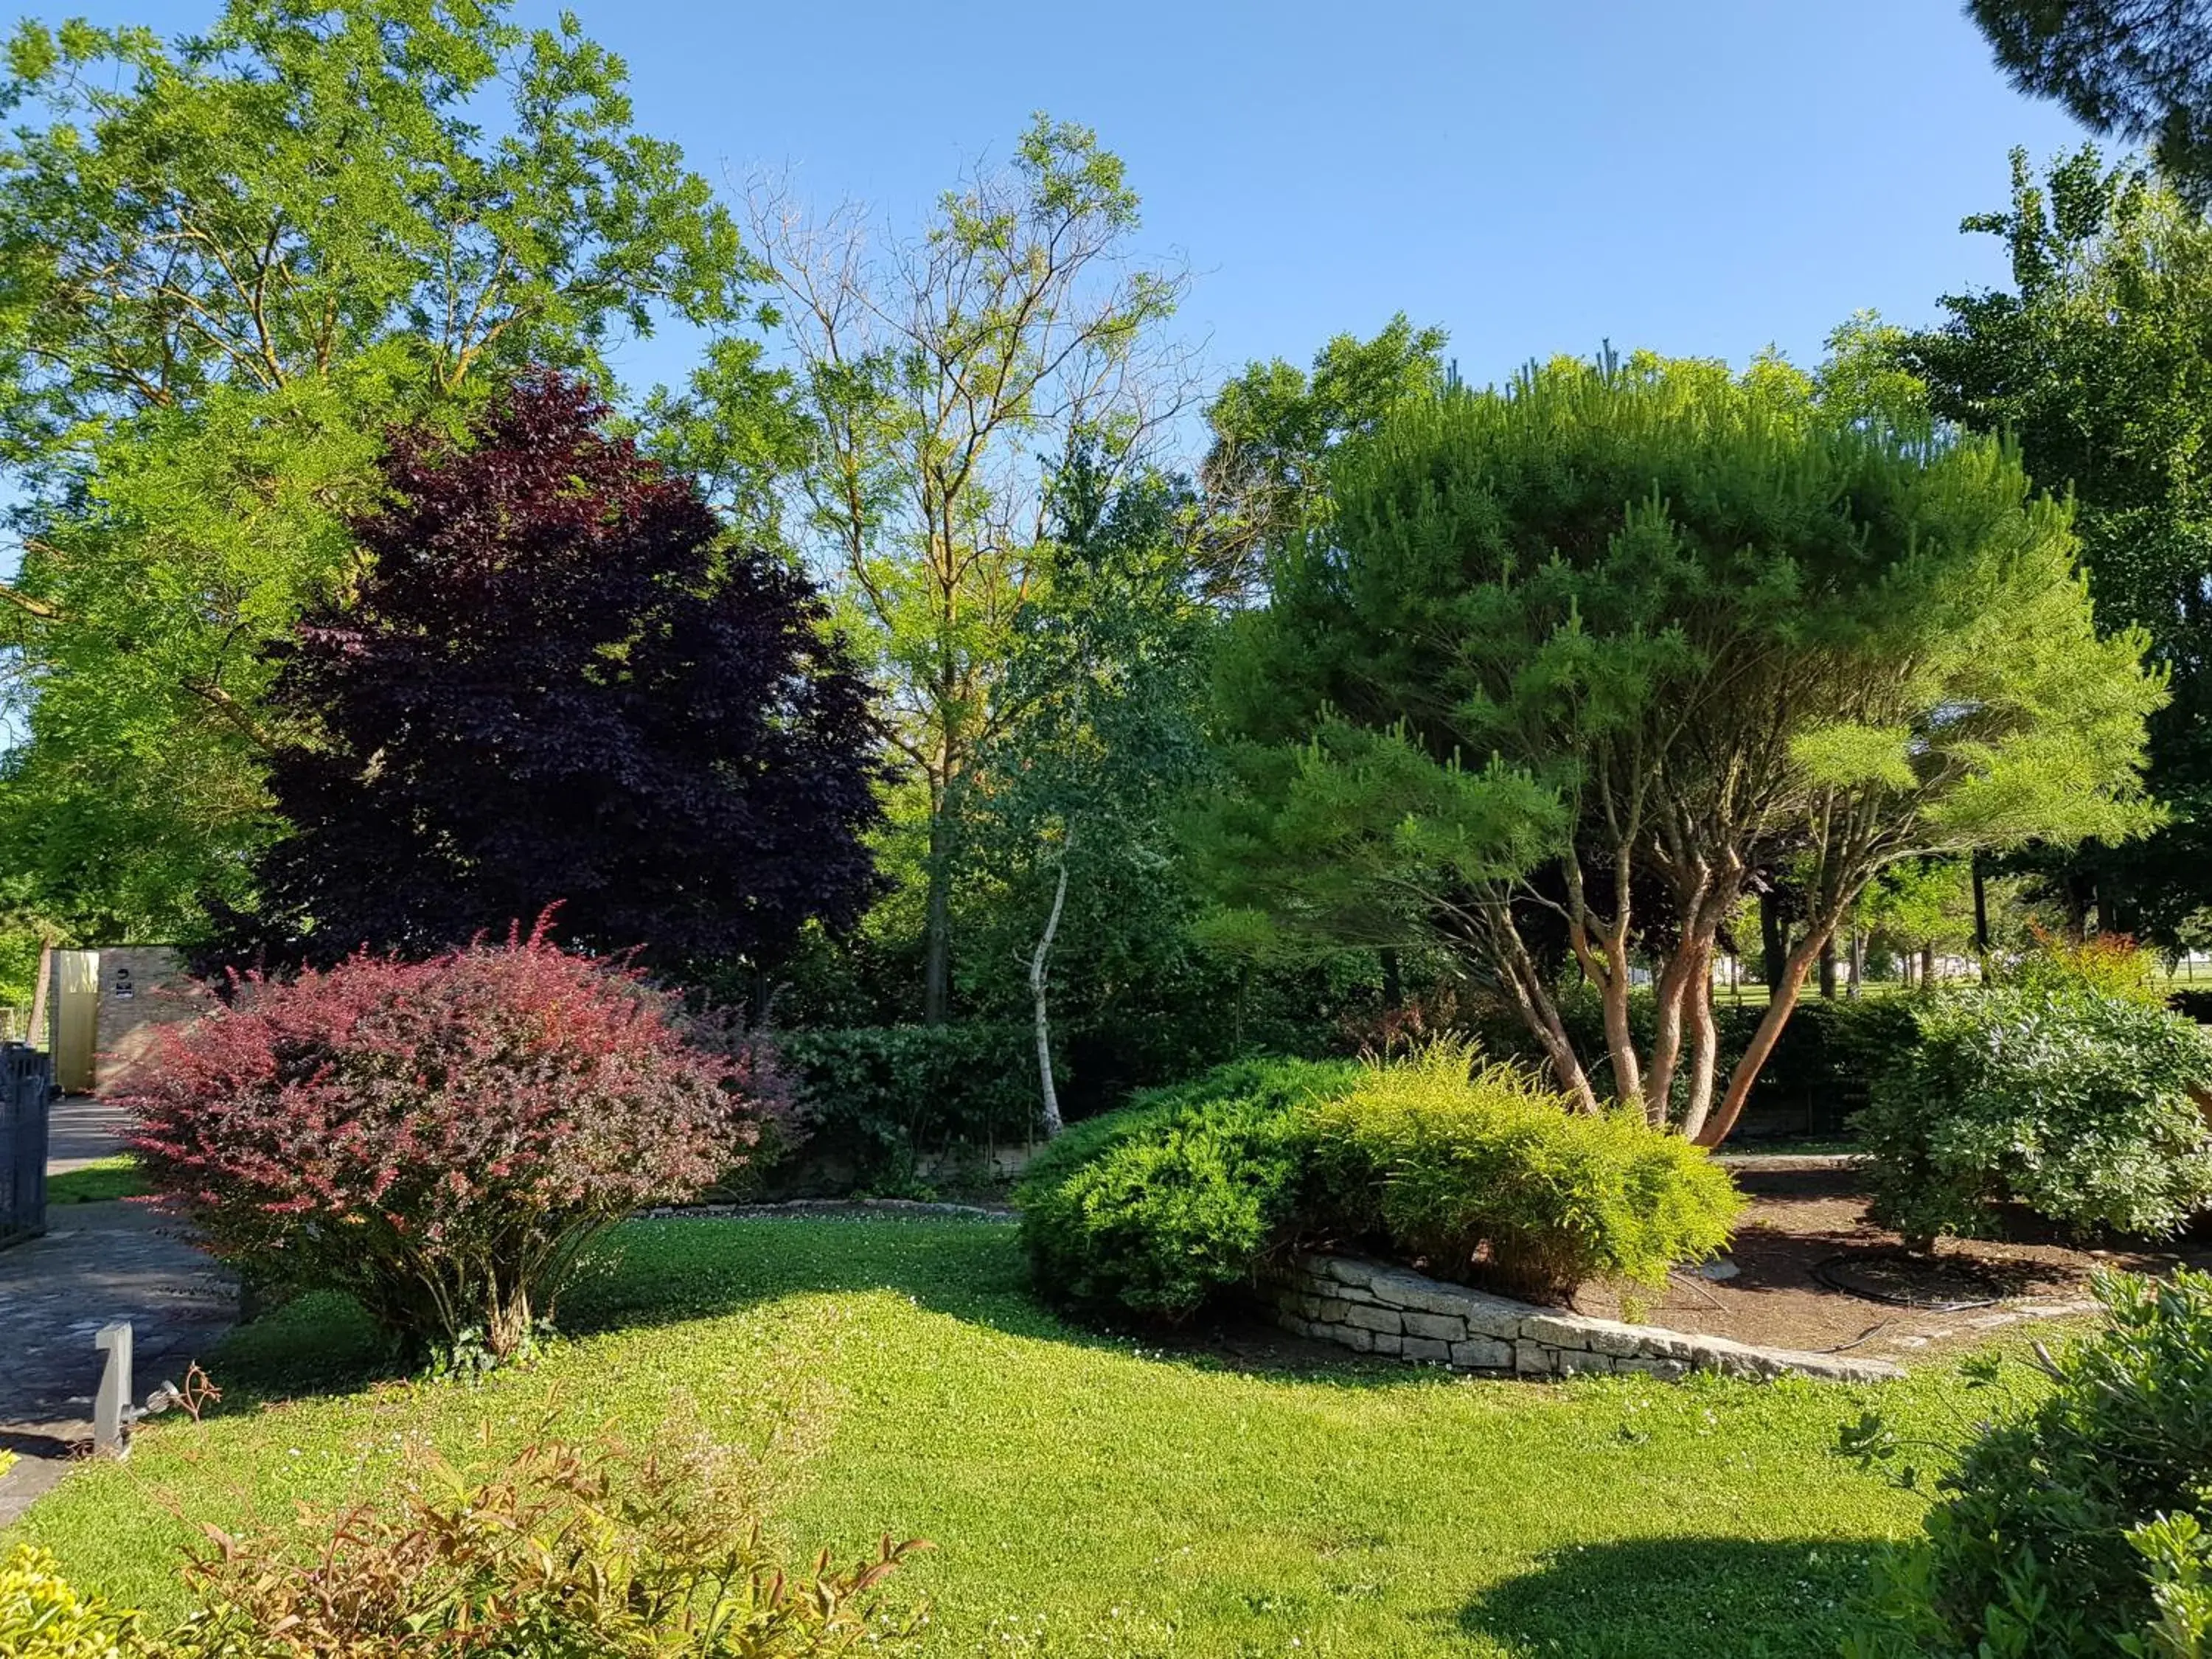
(95, 1182)
(1092, 1496)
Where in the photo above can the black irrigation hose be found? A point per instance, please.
(1826, 1271)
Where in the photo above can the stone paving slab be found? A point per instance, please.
(98, 1263)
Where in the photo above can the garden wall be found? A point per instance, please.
(1371, 1308)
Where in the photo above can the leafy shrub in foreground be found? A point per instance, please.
(559, 1551)
(562, 1550)
(2080, 1529)
(1152, 1209)
(43, 1617)
(439, 1139)
(2074, 1103)
(1480, 1171)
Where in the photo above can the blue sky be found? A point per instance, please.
(1698, 177)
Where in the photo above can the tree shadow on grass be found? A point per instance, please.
(1670, 1598)
(655, 1273)
(672, 1271)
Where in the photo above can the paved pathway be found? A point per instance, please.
(95, 1264)
(83, 1131)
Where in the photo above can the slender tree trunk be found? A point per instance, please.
(1039, 963)
(1525, 984)
(1856, 963)
(1981, 920)
(937, 923)
(1671, 992)
(1746, 1073)
(1704, 1061)
(1774, 939)
(1620, 1038)
(1926, 966)
(1828, 969)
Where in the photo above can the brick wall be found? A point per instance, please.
(160, 992)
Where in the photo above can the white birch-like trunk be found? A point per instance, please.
(1038, 962)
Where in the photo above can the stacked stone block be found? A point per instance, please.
(1372, 1308)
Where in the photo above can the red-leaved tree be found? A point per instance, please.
(558, 680)
(439, 1139)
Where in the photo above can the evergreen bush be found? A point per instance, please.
(1152, 1210)
(1481, 1172)
(1478, 1174)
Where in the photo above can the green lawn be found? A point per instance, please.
(94, 1182)
(1089, 1495)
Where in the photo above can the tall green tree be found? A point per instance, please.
(2139, 70)
(1273, 428)
(1621, 629)
(2097, 362)
(227, 263)
(1070, 828)
(945, 379)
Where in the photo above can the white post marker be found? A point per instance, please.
(111, 1407)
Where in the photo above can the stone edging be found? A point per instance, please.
(1370, 1308)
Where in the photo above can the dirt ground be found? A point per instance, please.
(1808, 1228)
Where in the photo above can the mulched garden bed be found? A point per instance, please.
(1813, 1273)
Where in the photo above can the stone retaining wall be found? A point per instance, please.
(1370, 1308)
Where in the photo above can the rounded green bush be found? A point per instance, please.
(2080, 1528)
(1152, 1209)
(2074, 1102)
(1481, 1172)
(1472, 1173)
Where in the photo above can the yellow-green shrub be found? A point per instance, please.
(1471, 1171)
(43, 1617)
(1479, 1171)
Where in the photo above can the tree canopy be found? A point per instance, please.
(1652, 626)
(227, 264)
(2137, 70)
(556, 683)
(2097, 362)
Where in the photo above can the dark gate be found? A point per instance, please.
(27, 1089)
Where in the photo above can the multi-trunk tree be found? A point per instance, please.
(558, 682)
(1593, 653)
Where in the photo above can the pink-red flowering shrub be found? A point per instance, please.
(439, 1139)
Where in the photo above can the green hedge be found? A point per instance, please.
(878, 1097)
(1152, 1210)
(2075, 1104)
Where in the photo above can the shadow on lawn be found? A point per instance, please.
(666, 1273)
(1666, 1598)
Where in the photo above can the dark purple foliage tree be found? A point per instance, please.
(557, 681)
